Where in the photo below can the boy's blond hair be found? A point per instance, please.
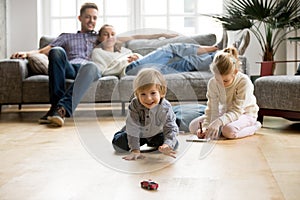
(225, 61)
(148, 77)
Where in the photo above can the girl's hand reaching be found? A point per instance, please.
(134, 155)
(167, 150)
(201, 133)
(213, 129)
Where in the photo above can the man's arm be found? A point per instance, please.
(27, 54)
(149, 36)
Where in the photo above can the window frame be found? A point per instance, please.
(135, 17)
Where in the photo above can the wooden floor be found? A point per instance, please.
(77, 162)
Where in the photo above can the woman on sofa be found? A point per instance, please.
(113, 59)
(108, 53)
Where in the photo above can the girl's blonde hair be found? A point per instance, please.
(225, 61)
(148, 77)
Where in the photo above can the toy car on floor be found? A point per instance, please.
(149, 185)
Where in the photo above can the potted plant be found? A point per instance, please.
(269, 20)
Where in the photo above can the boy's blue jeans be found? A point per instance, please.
(61, 69)
(120, 141)
(173, 58)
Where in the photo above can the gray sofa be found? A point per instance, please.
(278, 96)
(18, 85)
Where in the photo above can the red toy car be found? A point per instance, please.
(149, 185)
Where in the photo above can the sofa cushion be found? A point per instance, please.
(45, 40)
(185, 86)
(145, 46)
(185, 113)
(38, 64)
(105, 90)
(35, 89)
(278, 92)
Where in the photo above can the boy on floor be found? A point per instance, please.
(150, 118)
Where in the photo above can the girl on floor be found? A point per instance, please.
(150, 118)
(231, 106)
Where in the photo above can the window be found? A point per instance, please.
(186, 17)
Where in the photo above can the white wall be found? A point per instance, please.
(3, 29)
(22, 30)
(286, 51)
(293, 53)
(254, 54)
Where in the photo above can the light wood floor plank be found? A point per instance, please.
(41, 162)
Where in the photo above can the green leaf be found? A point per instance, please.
(269, 20)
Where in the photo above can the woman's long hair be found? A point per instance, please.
(117, 46)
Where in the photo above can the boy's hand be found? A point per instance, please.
(167, 150)
(134, 155)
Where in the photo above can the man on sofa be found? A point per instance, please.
(69, 59)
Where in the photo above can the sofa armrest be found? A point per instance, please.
(12, 74)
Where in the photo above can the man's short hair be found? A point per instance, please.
(86, 6)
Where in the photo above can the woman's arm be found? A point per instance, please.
(146, 36)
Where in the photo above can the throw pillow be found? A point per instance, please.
(38, 63)
(186, 113)
(46, 40)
